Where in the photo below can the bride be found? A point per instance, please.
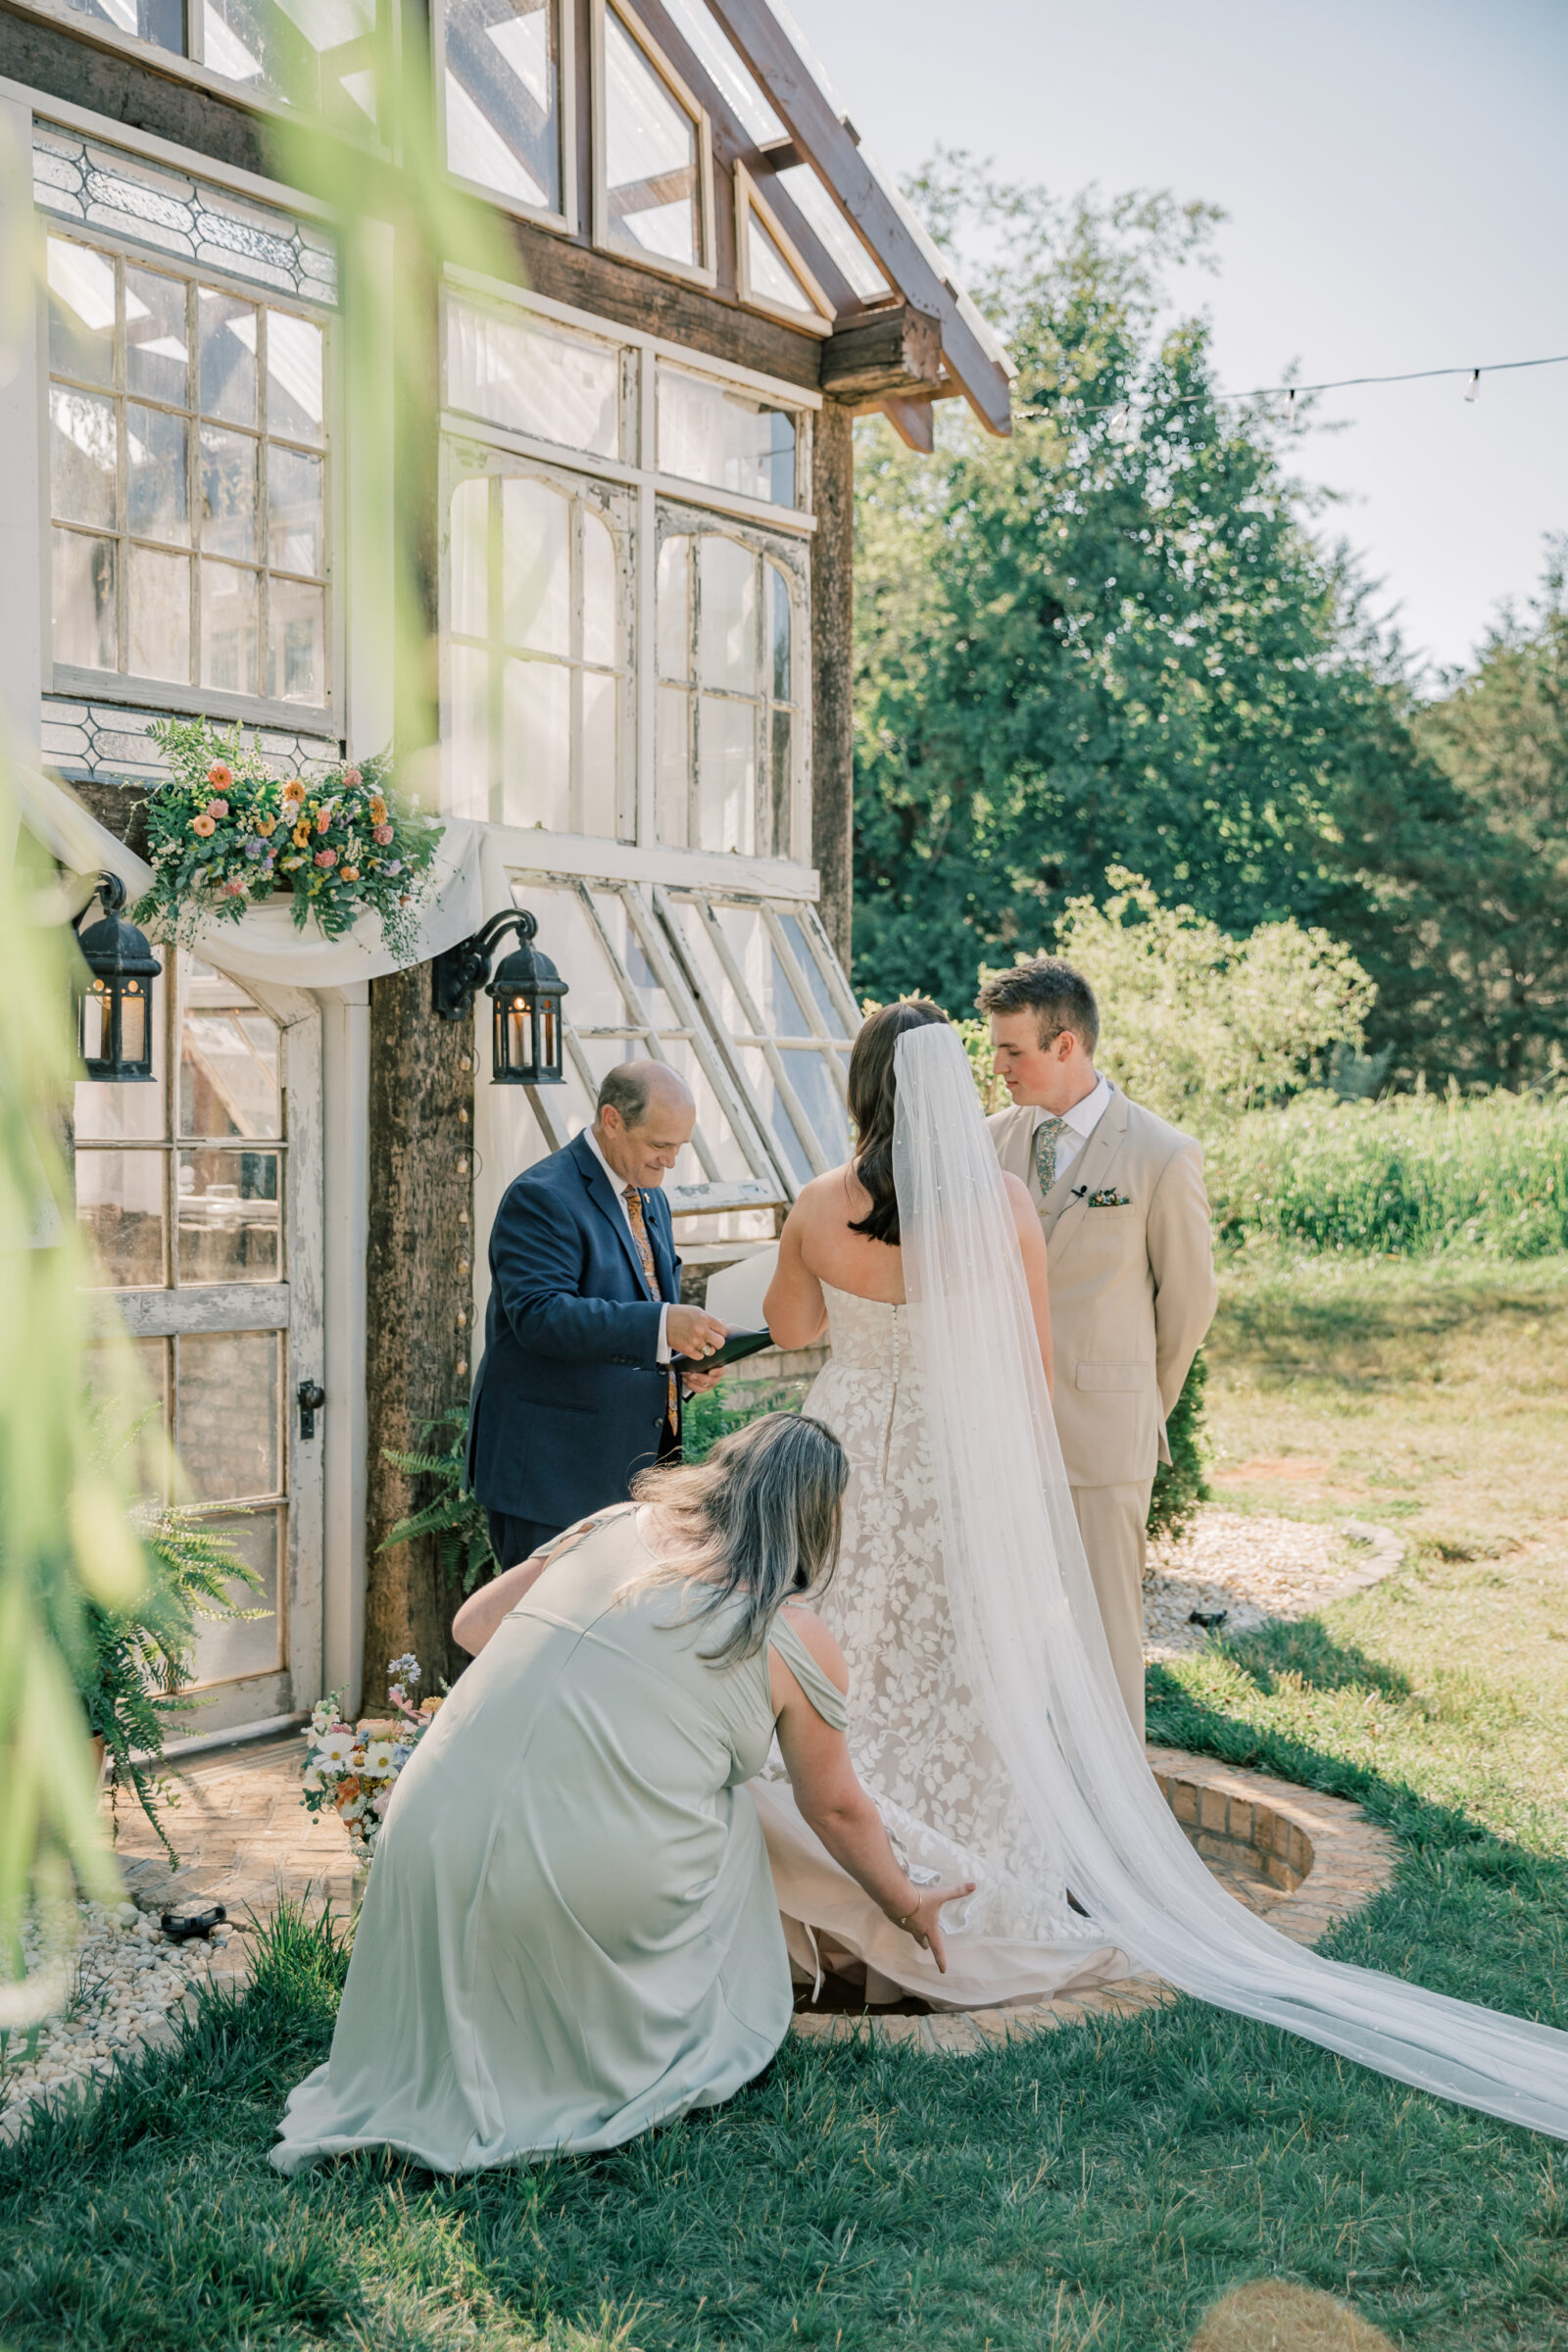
(985, 1717)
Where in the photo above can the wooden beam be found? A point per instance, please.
(890, 352)
(807, 113)
(63, 61)
(911, 420)
(833, 673)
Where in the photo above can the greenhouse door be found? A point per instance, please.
(200, 1195)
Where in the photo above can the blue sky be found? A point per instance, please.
(1396, 181)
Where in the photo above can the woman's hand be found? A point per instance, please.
(924, 1921)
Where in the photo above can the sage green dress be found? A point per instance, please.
(571, 1932)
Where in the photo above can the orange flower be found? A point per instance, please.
(293, 792)
(324, 820)
(351, 874)
(346, 1791)
(220, 774)
(266, 826)
(204, 825)
(377, 810)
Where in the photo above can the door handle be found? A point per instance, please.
(311, 1397)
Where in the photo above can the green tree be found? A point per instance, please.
(1111, 640)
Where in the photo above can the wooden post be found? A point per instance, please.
(833, 670)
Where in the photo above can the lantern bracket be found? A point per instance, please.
(458, 973)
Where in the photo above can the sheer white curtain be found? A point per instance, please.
(1036, 1659)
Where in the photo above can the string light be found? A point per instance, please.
(1288, 392)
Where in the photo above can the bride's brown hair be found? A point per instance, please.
(873, 1094)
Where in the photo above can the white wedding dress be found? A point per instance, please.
(985, 1717)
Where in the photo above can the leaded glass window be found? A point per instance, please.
(188, 490)
(728, 708)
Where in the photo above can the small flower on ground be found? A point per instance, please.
(220, 774)
(293, 793)
(351, 874)
(217, 808)
(326, 856)
(203, 824)
(382, 835)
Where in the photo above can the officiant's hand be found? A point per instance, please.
(924, 1921)
(693, 1331)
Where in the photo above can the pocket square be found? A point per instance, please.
(1110, 1199)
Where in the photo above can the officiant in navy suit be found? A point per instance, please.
(574, 1393)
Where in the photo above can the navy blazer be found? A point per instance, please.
(569, 1398)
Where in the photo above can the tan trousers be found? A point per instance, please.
(1111, 1521)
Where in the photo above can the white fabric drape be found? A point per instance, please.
(1036, 1659)
(467, 882)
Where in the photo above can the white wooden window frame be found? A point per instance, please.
(186, 66)
(565, 219)
(704, 273)
(748, 199)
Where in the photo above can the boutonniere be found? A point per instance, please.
(1110, 1199)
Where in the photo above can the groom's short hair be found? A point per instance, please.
(1059, 998)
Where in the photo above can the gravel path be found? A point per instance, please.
(1244, 1568)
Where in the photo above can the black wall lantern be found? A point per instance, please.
(526, 1045)
(116, 1029)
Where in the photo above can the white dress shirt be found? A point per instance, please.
(1081, 1122)
(617, 1185)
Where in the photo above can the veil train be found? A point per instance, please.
(1036, 1659)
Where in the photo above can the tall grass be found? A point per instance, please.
(1412, 1175)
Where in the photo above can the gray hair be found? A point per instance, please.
(1058, 995)
(758, 1522)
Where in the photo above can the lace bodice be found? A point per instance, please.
(870, 1336)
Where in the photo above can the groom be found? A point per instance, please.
(1121, 1199)
(574, 1393)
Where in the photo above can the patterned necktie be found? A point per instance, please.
(1047, 1136)
(644, 1251)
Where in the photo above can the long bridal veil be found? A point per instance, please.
(1035, 1655)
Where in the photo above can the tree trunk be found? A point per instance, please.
(833, 671)
(420, 1293)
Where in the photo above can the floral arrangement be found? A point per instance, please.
(353, 1768)
(226, 833)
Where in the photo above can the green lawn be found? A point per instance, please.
(1099, 2187)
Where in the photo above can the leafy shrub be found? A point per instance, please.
(1181, 1485)
(453, 1515)
(1412, 1174)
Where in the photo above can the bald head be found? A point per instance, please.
(646, 1116)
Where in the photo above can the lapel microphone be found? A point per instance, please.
(1080, 1192)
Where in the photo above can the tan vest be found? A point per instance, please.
(1131, 1283)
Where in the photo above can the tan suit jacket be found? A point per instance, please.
(1131, 1285)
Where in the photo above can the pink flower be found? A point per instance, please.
(204, 826)
(234, 887)
(220, 774)
(326, 856)
(217, 808)
(324, 820)
(383, 836)
(352, 775)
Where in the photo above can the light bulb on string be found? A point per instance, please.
(1473, 388)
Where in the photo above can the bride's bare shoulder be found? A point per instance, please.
(825, 1197)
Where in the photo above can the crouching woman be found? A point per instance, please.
(571, 1932)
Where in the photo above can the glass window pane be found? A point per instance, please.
(774, 1117)
(227, 348)
(794, 932)
(781, 782)
(530, 377)
(228, 493)
(536, 746)
(718, 1134)
(157, 483)
(228, 628)
(469, 761)
(821, 1101)
(119, 1200)
(229, 1646)
(295, 399)
(503, 102)
(125, 1381)
(230, 1218)
(778, 633)
(674, 760)
(82, 457)
(227, 1397)
(296, 622)
(715, 433)
(470, 558)
(657, 1009)
(746, 935)
(83, 600)
(294, 494)
(833, 232)
(601, 697)
(772, 277)
(600, 635)
(702, 956)
(674, 607)
(536, 568)
(573, 946)
(81, 312)
(650, 154)
(157, 352)
(726, 776)
(229, 1073)
(157, 607)
(727, 623)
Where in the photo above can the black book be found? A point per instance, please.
(739, 1344)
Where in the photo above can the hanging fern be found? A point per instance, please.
(453, 1515)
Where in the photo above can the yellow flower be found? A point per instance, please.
(301, 833)
(293, 792)
(265, 825)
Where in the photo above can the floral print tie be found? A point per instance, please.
(1047, 1136)
(644, 1251)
